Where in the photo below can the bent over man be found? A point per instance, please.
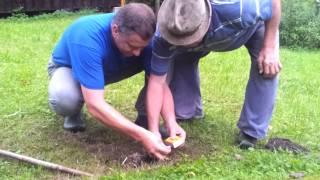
(188, 30)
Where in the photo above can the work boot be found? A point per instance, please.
(246, 141)
(194, 118)
(74, 123)
(142, 121)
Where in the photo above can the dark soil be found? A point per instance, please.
(115, 150)
(285, 145)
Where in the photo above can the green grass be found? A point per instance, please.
(29, 127)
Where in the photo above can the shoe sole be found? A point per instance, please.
(75, 129)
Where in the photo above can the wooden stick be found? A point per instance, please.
(43, 163)
(122, 2)
(157, 6)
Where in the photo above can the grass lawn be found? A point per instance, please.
(27, 125)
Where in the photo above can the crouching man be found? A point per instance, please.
(97, 50)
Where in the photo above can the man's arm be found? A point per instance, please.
(154, 101)
(169, 116)
(160, 100)
(105, 113)
(268, 61)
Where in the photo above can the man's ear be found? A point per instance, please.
(115, 29)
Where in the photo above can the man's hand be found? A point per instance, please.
(175, 129)
(154, 146)
(269, 63)
(110, 117)
(156, 133)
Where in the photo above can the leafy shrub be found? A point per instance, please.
(300, 25)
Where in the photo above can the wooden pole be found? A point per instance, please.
(123, 2)
(317, 7)
(43, 163)
(157, 6)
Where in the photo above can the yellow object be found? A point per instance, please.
(174, 141)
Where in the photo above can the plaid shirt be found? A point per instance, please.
(231, 19)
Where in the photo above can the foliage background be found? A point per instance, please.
(300, 26)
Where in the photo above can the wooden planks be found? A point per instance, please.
(9, 6)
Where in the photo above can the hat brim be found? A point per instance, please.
(183, 40)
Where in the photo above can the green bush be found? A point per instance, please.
(300, 25)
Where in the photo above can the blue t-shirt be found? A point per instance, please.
(231, 20)
(87, 47)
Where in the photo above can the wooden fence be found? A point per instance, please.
(10, 6)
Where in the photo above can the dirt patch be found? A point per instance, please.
(137, 159)
(285, 145)
(114, 150)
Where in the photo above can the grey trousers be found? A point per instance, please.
(260, 93)
(65, 96)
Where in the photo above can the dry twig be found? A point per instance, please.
(43, 163)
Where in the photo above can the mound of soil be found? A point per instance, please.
(285, 145)
(137, 159)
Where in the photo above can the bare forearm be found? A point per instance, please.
(167, 110)
(102, 111)
(272, 25)
(110, 117)
(154, 103)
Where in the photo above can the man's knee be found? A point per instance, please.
(64, 102)
(65, 97)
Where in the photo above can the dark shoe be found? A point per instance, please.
(74, 123)
(194, 118)
(163, 131)
(245, 141)
(185, 120)
(142, 121)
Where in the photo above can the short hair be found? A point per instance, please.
(136, 18)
